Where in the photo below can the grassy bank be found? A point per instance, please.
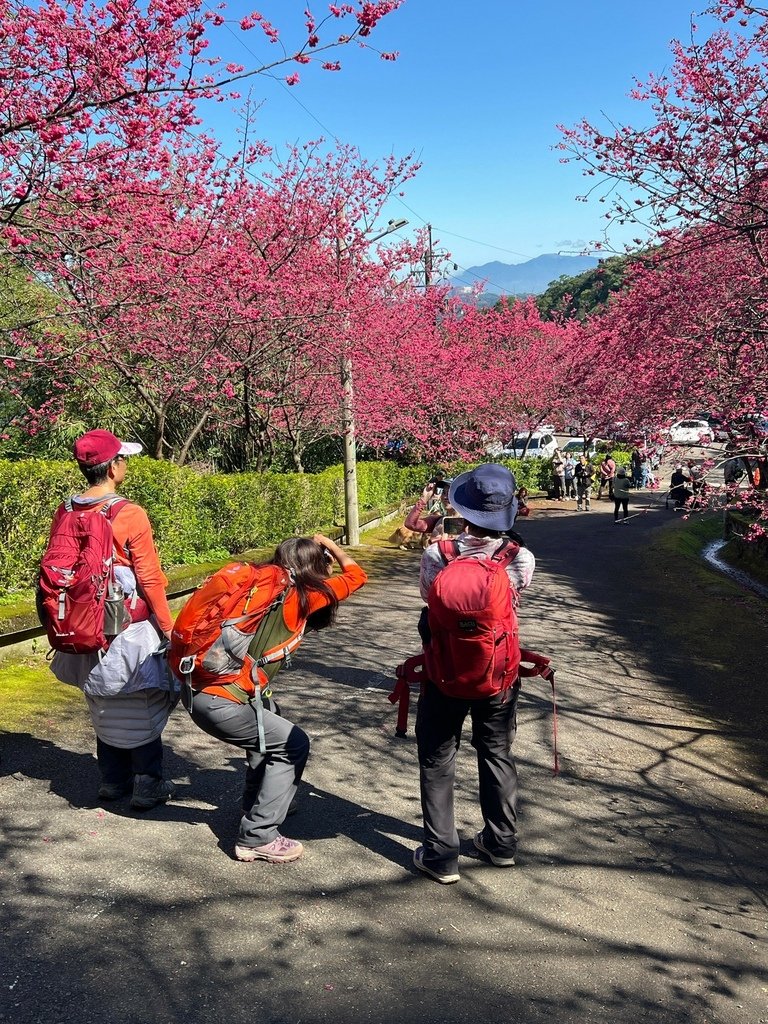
(705, 620)
(33, 700)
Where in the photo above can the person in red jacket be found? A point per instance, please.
(273, 773)
(129, 705)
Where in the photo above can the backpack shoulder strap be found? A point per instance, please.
(109, 509)
(506, 553)
(112, 507)
(449, 549)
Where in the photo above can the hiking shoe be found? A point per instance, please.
(114, 790)
(279, 851)
(149, 791)
(418, 860)
(500, 862)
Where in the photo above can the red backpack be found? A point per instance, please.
(474, 651)
(78, 601)
(232, 632)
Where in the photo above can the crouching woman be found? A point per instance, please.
(276, 749)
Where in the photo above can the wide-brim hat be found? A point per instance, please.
(485, 496)
(100, 446)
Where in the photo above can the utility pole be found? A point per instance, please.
(428, 258)
(351, 507)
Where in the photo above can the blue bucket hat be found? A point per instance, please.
(485, 496)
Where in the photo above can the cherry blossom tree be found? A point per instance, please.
(447, 376)
(86, 85)
(690, 331)
(211, 297)
(700, 159)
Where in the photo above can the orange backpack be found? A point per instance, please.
(232, 632)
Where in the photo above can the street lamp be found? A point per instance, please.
(351, 509)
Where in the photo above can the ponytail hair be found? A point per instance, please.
(305, 559)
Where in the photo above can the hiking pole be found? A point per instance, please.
(534, 664)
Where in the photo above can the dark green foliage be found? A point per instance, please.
(30, 492)
(197, 517)
(586, 293)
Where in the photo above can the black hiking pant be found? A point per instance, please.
(118, 765)
(439, 722)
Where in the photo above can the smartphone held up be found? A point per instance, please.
(452, 525)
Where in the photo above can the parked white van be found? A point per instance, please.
(541, 445)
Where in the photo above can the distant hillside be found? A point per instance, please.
(530, 278)
(586, 294)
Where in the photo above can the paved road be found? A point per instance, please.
(641, 882)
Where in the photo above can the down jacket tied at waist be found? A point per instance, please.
(129, 691)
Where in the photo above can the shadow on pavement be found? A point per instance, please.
(640, 884)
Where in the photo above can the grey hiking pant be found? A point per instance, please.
(272, 775)
(439, 722)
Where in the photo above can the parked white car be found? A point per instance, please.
(578, 446)
(690, 432)
(541, 445)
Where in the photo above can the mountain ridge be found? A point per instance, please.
(531, 277)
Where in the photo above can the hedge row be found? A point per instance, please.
(194, 517)
(197, 517)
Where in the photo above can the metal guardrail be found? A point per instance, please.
(22, 635)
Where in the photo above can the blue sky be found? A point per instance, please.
(476, 93)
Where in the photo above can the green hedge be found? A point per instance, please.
(195, 517)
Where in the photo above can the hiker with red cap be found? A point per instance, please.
(109, 639)
(472, 659)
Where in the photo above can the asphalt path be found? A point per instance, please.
(640, 888)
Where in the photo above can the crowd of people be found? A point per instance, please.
(579, 477)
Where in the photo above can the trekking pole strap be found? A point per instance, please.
(401, 695)
(411, 671)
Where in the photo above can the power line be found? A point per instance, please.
(488, 245)
(454, 234)
(485, 280)
(274, 78)
(336, 139)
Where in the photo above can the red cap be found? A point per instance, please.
(99, 446)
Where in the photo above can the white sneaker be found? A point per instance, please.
(500, 862)
(279, 851)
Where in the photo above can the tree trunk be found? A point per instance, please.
(160, 422)
(192, 437)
